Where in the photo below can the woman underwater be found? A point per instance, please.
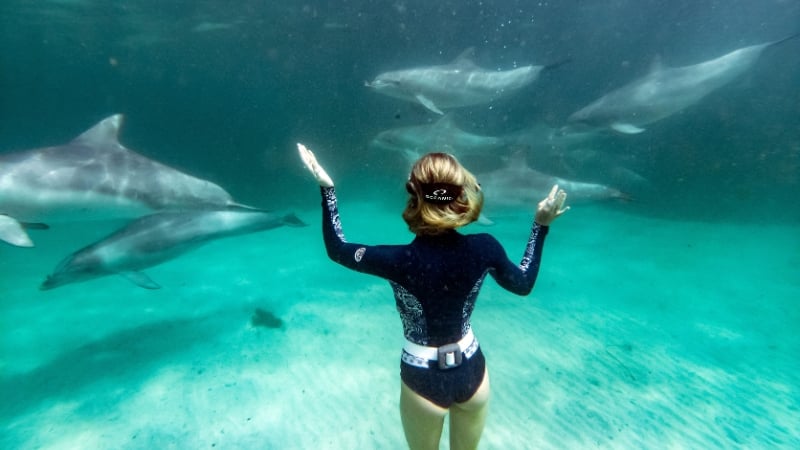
(436, 279)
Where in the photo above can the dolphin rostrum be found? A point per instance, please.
(159, 237)
(460, 83)
(665, 91)
(95, 177)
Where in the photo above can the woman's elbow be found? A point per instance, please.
(522, 291)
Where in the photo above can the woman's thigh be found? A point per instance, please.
(422, 419)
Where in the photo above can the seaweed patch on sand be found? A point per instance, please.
(265, 319)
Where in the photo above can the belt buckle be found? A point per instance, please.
(450, 356)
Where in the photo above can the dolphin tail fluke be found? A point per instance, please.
(293, 221)
(13, 232)
(625, 197)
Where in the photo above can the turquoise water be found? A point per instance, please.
(668, 320)
(639, 333)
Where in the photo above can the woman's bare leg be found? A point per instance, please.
(422, 420)
(467, 419)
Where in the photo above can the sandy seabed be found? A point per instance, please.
(640, 333)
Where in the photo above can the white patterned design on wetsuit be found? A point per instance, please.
(529, 249)
(469, 304)
(410, 309)
(330, 200)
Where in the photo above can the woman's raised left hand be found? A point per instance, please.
(314, 167)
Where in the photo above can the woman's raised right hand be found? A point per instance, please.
(551, 207)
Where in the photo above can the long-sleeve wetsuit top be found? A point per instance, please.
(435, 279)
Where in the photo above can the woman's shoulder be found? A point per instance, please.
(482, 239)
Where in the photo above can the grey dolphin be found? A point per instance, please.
(94, 176)
(665, 91)
(460, 83)
(156, 238)
(519, 185)
(442, 135)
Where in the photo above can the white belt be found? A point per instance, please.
(420, 355)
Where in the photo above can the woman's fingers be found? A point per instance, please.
(306, 155)
(552, 195)
(313, 166)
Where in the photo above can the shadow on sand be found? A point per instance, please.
(122, 359)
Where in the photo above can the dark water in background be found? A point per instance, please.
(224, 89)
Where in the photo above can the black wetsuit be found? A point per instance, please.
(436, 280)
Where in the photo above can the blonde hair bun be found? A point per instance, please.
(443, 195)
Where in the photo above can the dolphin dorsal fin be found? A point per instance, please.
(464, 59)
(107, 130)
(517, 160)
(445, 122)
(656, 65)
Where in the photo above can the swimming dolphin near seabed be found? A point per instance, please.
(96, 177)
(460, 83)
(665, 91)
(519, 185)
(159, 237)
(444, 135)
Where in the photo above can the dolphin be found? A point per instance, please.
(519, 185)
(458, 84)
(443, 135)
(95, 177)
(665, 91)
(159, 237)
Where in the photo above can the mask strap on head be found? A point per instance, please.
(440, 193)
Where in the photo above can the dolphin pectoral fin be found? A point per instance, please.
(557, 64)
(140, 279)
(787, 38)
(411, 155)
(292, 220)
(35, 226)
(626, 128)
(426, 102)
(12, 231)
(464, 59)
(485, 221)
